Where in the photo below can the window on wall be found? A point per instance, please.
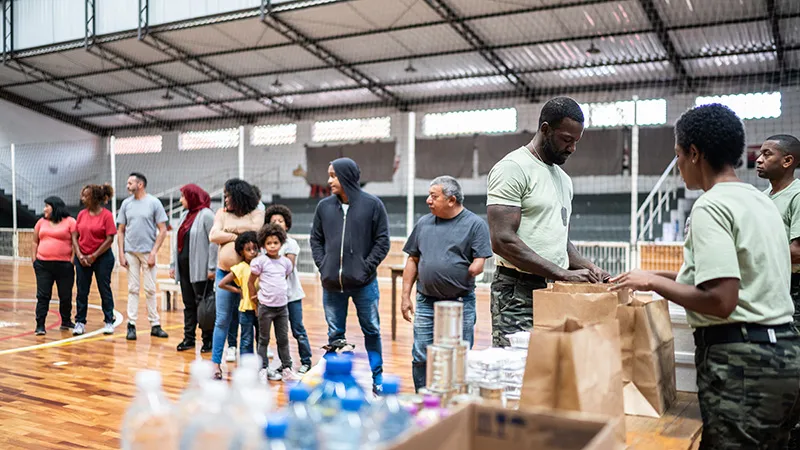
(470, 122)
(616, 114)
(137, 145)
(762, 105)
(198, 140)
(352, 129)
(274, 134)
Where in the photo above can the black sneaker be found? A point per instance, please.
(377, 389)
(207, 347)
(131, 332)
(66, 325)
(185, 345)
(40, 331)
(157, 331)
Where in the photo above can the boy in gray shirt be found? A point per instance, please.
(142, 224)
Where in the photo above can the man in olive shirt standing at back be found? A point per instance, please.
(779, 157)
(529, 203)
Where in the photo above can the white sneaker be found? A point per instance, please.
(230, 356)
(303, 369)
(270, 355)
(79, 329)
(274, 375)
(108, 328)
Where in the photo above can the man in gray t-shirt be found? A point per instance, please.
(142, 224)
(446, 251)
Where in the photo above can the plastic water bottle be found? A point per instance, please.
(301, 433)
(275, 433)
(212, 428)
(390, 418)
(149, 421)
(326, 398)
(191, 399)
(345, 431)
(249, 405)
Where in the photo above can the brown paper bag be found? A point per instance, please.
(647, 342)
(577, 368)
(648, 356)
(551, 308)
(624, 295)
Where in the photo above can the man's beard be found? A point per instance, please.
(550, 152)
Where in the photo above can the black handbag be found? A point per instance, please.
(207, 309)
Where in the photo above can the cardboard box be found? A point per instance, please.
(479, 427)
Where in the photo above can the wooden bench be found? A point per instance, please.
(170, 292)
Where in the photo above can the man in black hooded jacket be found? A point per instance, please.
(349, 239)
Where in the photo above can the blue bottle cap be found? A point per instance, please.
(276, 427)
(298, 393)
(352, 402)
(391, 385)
(339, 365)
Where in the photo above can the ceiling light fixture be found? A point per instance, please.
(410, 68)
(167, 96)
(277, 83)
(593, 50)
(77, 105)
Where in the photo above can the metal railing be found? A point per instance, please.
(650, 212)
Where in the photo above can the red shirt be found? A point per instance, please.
(55, 240)
(93, 230)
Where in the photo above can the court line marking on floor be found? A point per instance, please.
(117, 321)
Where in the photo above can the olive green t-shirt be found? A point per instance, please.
(788, 203)
(731, 236)
(541, 192)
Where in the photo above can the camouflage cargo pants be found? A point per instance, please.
(512, 306)
(749, 393)
(795, 292)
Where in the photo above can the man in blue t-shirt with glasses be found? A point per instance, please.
(446, 251)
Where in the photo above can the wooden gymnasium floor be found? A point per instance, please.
(58, 392)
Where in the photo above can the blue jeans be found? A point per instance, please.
(226, 324)
(298, 331)
(423, 332)
(366, 301)
(248, 320)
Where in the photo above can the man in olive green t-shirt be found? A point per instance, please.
(779, 157)
(529, 203)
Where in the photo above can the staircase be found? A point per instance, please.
(666, 204)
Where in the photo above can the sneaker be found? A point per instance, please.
(66, 325)
(158, 332)
(304, 368)
(270, 355)
(185, 345)
(131, 332)
(377, 389)
(79, 329)
(108, 328)
(40, 331)
(274, 375)
(207, 347)
(230, 356)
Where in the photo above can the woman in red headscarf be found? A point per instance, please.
(194, 261)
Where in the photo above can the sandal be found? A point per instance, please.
(218, 375)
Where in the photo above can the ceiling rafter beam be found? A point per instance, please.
(472, 38)
(163, 82)
(777, 38)
(90, 28)
(411, 81)
(214, 74)
(661, 30)
(405, 58)
(455, 78)
(330, 59)
(771, 78)
(144, 19)
(81, 92)
(8, 29)
(50, 112)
